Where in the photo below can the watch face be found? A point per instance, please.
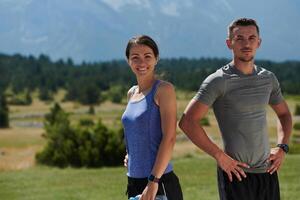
(153, 178)
(284, 147)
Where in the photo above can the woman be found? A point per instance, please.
(150, 126)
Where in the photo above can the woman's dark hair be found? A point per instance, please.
(143, 40)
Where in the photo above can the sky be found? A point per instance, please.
(98, 30)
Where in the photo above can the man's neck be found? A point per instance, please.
(244, 67)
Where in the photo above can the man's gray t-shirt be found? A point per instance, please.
(239, 102)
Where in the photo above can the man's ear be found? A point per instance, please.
(259, 42)
(228, 42)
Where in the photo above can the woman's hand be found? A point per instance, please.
(126, 161)
(150, 191)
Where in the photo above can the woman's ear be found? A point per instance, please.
(157, 59)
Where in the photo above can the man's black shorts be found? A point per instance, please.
(257, 186)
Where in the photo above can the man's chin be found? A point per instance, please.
(246, 59)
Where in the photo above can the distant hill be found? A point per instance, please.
(98, 30)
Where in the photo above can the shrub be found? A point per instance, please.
(297, 109)
(58, 131)
(86, 122)
(295, 144)
(4, 112)
(116, 94)
(20, 99)
(294, 148)
(205, 122)
(85, 145)
(297, 126)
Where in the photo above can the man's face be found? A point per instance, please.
(244, 42)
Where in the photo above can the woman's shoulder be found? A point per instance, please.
(165, 86)
(131, 91)
(165, 93)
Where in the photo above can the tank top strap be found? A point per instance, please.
(154, 87)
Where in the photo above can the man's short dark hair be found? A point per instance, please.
(241, 22)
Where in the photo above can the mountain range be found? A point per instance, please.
(98, 30)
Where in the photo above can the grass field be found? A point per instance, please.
(22, 179)
(197, 175)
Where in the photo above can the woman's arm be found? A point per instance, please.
(165, 98)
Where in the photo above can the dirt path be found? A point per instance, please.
(17, 158)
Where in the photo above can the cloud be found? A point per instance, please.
(118, 4)
(15, 6)
(188, 3)
(170, 9)
(34, 41)
(225, 5)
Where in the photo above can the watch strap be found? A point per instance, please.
(152, 178)
(284, 147)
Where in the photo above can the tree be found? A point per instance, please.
(52, 117)
(85, 82)
(60, 149)
(85, 145)
(91, 110)
(45, 95)
(4, 112)
(297, 109)
(89, 94)
(28, 98)
(116, 93)
(84, 91)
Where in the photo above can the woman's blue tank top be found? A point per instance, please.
(143, 134)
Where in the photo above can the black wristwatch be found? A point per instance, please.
(152, 178)
(284, 147)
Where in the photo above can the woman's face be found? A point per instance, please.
(142, 60)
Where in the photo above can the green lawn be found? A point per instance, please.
(197, 176)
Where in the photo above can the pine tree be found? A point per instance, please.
(4, 112)
(51, 117)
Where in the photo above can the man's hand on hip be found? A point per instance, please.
(276, 158)
(231, 166)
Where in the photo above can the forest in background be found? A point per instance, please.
(92, 83)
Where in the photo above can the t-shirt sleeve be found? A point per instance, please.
(211, 88)
(276, 95)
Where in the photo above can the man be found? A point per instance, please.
(239, 93)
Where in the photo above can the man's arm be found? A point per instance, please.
(190, 125)
(284, 129)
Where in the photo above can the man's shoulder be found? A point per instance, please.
(261, 71)
(222, 73)
(216, 79)
(217, 76)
